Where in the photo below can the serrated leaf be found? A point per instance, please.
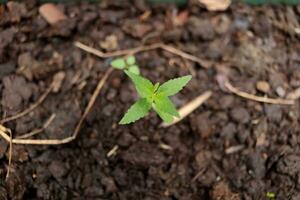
(118, 63)
(164, 116)
(134, 69)
(173, 86)
(130, 60)
(138, 110)
(143, 86)
(165, 105)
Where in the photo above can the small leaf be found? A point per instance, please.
(134, 69)
(130, 60)
(173, 86)
(164, 104)
(138, 110)
(156, 86)
(143, 86)
(164, 116)
(118, 63)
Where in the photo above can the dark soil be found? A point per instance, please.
(185, 161)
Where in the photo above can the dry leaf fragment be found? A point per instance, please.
(51, 13)
(145, 15)
(181, 18)
(216, 5)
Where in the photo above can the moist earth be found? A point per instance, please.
(230, 148)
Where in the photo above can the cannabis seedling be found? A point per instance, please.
(154, 96)
(128, 63)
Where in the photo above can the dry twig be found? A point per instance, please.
(30, 108)
(4, 131)
(234, 149)
(112, 151)
(9, 155)
(189, 107)
(39, 130)
(257, 98)
(135, 50)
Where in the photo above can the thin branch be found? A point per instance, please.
(4, 131)
(257, 98)
(9, 154)
(30, 108)
(189, 107)
(115, 53)
(39, 130)
(135, 50)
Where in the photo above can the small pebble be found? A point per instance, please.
(263, 86)
(280, 91)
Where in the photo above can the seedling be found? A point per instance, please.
(271, 195)
(154, 96)
(128, 63)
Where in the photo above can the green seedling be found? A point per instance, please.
(271, 195)
(154, 96)
(128, 63)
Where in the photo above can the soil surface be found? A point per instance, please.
(230, 148)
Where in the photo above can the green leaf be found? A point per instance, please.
(165, 105)
(138, 110)
(164, 116)
(143, 86)
(134, 69)
(130, 60)
(156, 86)
(118, 63)
(173, 86)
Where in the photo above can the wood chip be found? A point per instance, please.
(189, 108)
(294, 94)
(113, 151)
(57, 81)
(51, 13)
(165, 146)
(216, 5)
(234, 149)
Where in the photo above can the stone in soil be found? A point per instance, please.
(263, 86)
(203, 159)
(273, 112)
(221, 191)
(57, 169)
(229, 131)
(256, 164)
(289, 165)
(143, 154)
(16, 91)
(202, 125)
(109, 183)
(7, 68)
(136, 29)
(240, 115)
(201, 28)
